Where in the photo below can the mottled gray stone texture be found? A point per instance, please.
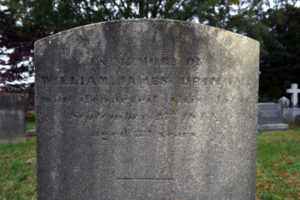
(146, 110)
(12, 118)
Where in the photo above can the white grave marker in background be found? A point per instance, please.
(294, 91)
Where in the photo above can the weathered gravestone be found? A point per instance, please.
(284, 102)
(289, 114)
(269, 117)
(146, 109)
(12, 118)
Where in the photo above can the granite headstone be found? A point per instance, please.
(270, 117)
(284, 102)
(12, 118)
(146, 109)
(289, 114)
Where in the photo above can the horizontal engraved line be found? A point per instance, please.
(133, 80)
(146, 178)
(99, 61)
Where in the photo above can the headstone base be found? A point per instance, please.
(6, 140)
(265, 127)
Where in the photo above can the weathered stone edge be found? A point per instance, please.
(138, 20)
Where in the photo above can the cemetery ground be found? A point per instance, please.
(277, 173)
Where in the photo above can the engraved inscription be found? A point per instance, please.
(96, 115)
(141, 133)
(98, 98)
(94, 80)
(145, 61)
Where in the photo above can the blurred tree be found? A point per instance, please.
(24, 21)
(280, 62)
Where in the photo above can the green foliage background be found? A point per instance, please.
(275, 24)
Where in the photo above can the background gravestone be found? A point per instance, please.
(146, 109)
(12, 118)
(270, 117)
(284, 102)
(290, 113)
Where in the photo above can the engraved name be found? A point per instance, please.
(94, 80)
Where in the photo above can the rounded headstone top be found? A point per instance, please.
(283, 101)
(143, 23)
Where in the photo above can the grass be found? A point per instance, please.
(17, 178)
(277, 175)
(30, 120)
(30, 125)
(278, 165)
